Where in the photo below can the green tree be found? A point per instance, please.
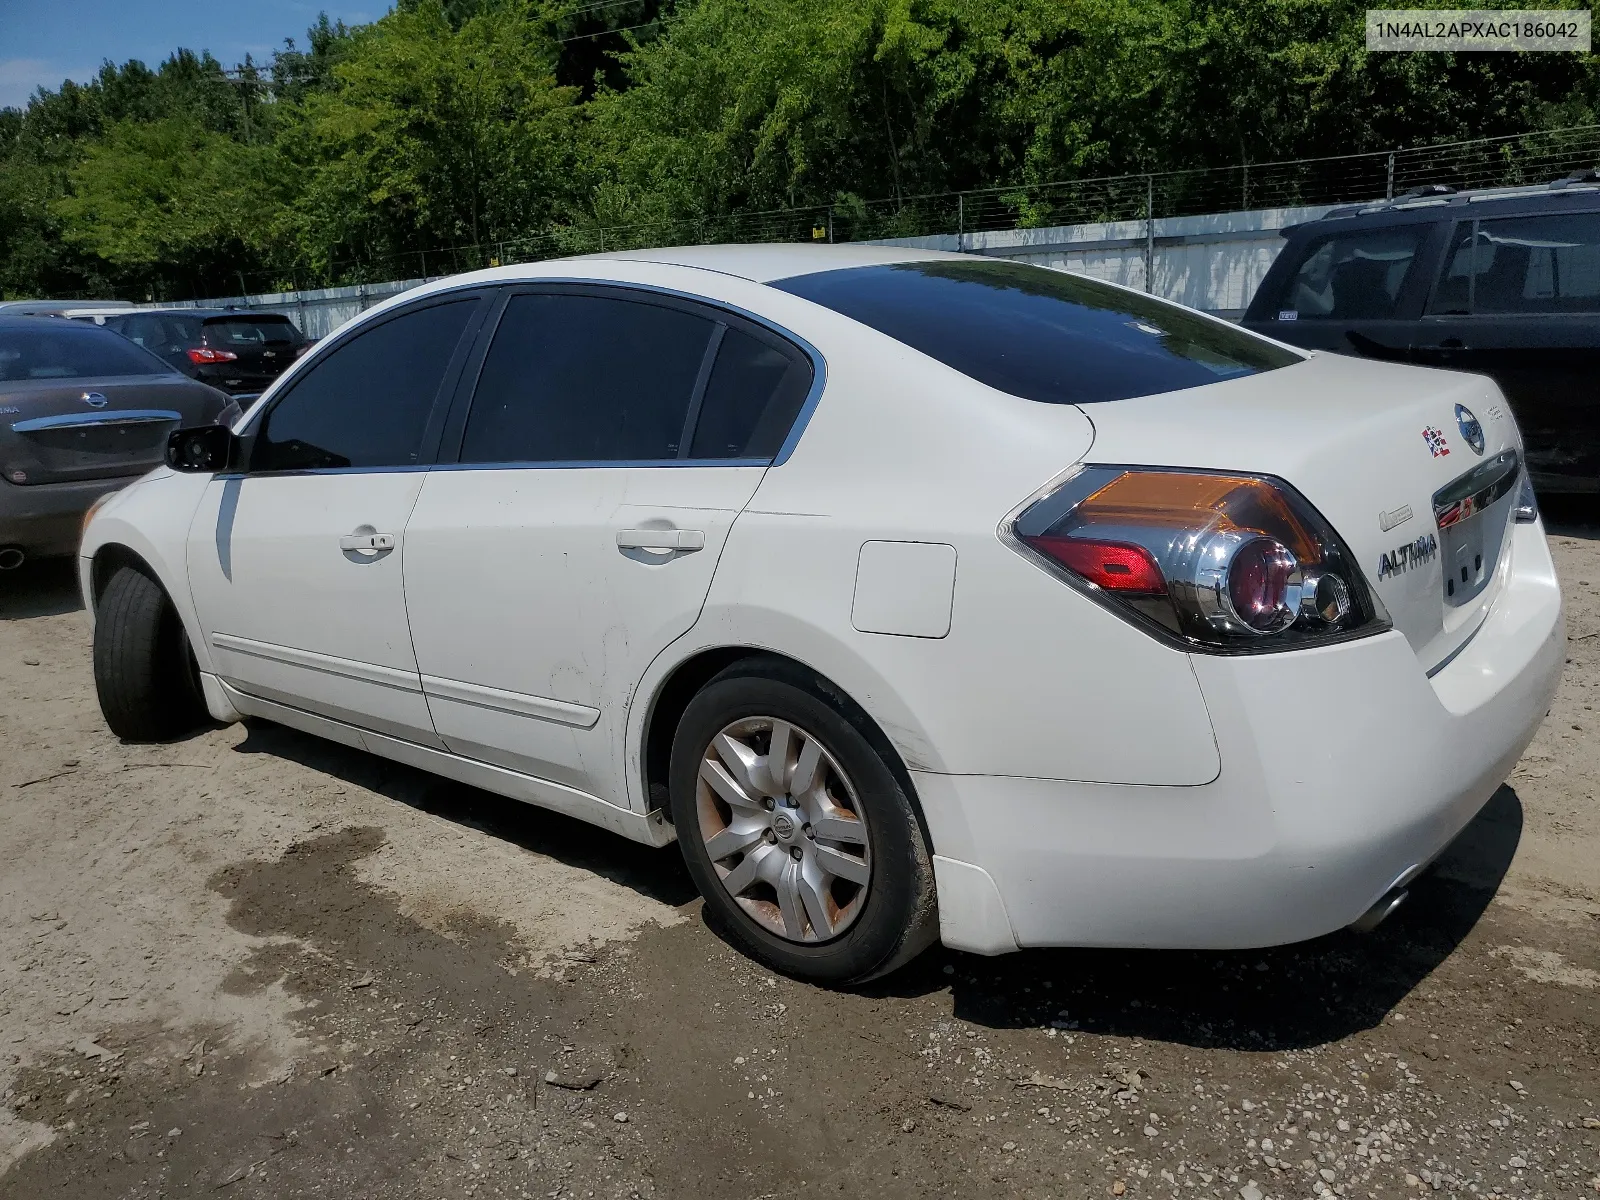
(433, 136)
(170, 200)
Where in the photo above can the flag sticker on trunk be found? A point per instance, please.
(1435, 439)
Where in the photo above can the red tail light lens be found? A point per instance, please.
(1114, 565)
(205, 354)
(1218, 561)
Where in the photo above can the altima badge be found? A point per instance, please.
(1402, 558)
(1470, 429)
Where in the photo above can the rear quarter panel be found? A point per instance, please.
(1032, 678)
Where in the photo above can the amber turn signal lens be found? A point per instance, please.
(1179, 500)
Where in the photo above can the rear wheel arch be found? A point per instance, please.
(686, 680)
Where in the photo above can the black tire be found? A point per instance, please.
(898, 917)
(144, 670)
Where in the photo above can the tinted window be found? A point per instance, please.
(365, 404)
(1522, 265)
(574, 378)
(755, 392)
(158, 331)
(1041, 334)
(51, 348)
(1352, 276)
(249, 331)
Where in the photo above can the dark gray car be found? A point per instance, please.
(82, 412)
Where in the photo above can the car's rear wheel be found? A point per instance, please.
(796, 829)
(144, 670)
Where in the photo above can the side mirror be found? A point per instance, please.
(204, 448)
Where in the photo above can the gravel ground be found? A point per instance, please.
(255, 964)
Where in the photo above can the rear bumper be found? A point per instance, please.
(236, 384)
(45, 519)
(1344, 770)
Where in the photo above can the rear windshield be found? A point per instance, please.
(1041, 334)
(158, 331)
(51, 348)
(249, 331)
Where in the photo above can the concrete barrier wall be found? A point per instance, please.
(1212, 262)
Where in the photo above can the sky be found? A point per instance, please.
(46, 41)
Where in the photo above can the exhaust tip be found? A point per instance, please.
(1381, 911)
(11, 558)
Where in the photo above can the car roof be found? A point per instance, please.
(55, 307)
(11, 323)
(766, 262)
(1433, 204)
(212, 314)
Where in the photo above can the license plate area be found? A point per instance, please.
(1472, 513)
(1466, 559)
(74, 446)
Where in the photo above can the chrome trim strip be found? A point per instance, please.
(127, 416)
(504, 466)
(519, 704)
(328, 664)
(601, 463)
(1477, 489)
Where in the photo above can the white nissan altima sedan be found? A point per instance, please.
(915, 595)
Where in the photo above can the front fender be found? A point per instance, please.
(150, 519)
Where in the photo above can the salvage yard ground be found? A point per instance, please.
(253, 964)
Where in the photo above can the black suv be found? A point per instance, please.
(1506, 283)
(238, 351)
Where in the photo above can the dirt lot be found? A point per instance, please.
(255, 964)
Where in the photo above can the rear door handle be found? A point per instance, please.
(686, 540)
(367, 541)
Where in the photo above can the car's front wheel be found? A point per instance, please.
(796, 829)
(144, 671)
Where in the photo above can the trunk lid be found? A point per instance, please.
(61, 431)
(1375, 447)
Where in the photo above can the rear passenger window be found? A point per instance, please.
(1352, 276)
(755, 393)
(575, 378)
(367, 402)
(1512, 265)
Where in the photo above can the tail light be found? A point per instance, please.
(1216, 561)
(205, 354)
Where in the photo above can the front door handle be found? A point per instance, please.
(371, 542)
(685, 540)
